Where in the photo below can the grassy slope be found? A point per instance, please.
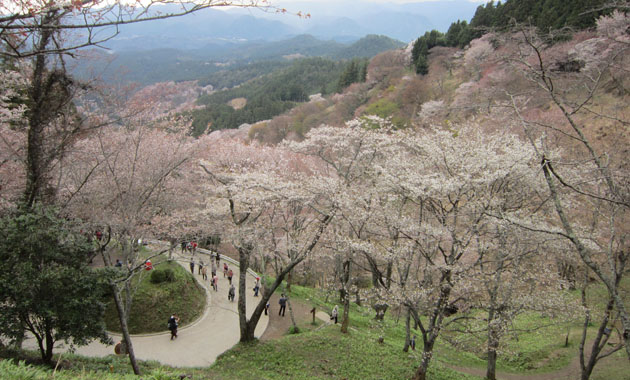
(183, 296)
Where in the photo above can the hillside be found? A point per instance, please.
(462, 84)
(266, 96)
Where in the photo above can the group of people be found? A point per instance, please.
(202, 269)
(190, 246)
(215, 261)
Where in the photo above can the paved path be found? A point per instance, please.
(199, 343)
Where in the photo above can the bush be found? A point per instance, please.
(169, 275)
(383, 108)
(158, 276)
(162, 275)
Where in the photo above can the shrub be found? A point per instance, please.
(162, 275)
(169, 275)
(383, 108)
(158, 276)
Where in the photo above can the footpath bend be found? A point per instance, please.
(198, 343)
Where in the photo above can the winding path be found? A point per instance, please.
(200, 342)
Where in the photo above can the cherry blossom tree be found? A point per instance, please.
(511, 274)
(587, 170)
(131, 171)
(349, 154)
(267, 199)
(454, 179)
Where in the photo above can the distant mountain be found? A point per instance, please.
(202, 28)
(404, 22)
(368, 47)
(306, 45)
(160, 65)
(303, 45)
(342, 21)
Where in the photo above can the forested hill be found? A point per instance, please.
(544, 14)
(448, 83)
(266, 96)
(558, 16)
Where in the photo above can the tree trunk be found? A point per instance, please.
(431, 333)
(493, 345)
(295, 326)
(599, 343)
(34, 149)
(289, 282)
(427, 354)
(49, 345)
(122, 317)
(380, 309)
(346, 299)
(243, 263)
(407, 331)
(346, 315)
(248, 327)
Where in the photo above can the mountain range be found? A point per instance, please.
(170, 64)
(211, 29)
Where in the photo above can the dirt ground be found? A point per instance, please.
(278, 326)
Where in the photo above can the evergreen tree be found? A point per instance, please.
(46, 285)
(452, 35)
(422, 67)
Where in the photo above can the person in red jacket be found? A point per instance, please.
(230, 275)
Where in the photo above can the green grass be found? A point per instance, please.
(28, 365)
(326, 353)
(154, 303)
(534, 351)
(22, 371)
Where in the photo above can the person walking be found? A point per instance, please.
(283, 305)
(231, 293)
(173, 322)
(192, 266)
(230, 275)
(225, 269)
(218, 259)
(200, 267)
(215, 283)
(204, 273)
(214, 269)
(267, 308)
(257, 287)
(334, 314)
